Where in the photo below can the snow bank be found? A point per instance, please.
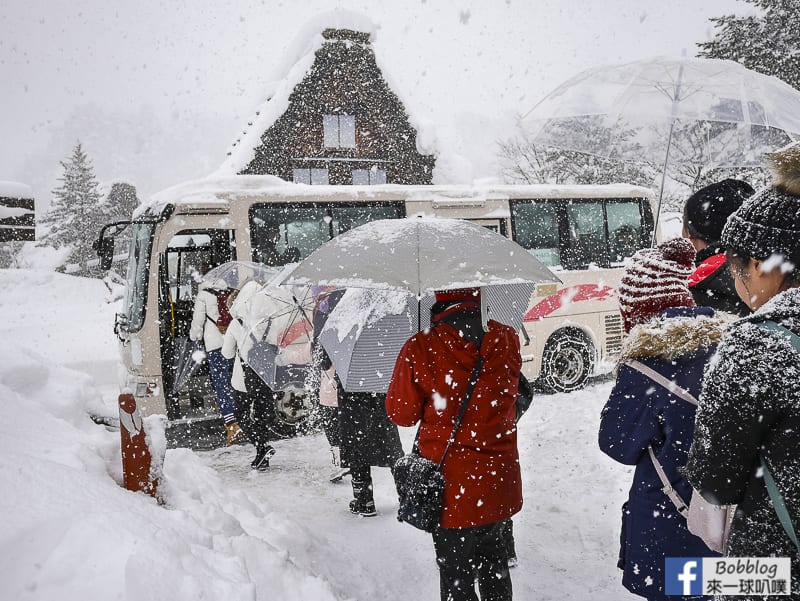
(71, 533)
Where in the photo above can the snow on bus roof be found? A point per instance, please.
(15, 190)
(225, 188)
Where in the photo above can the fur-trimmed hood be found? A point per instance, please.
(668, 335)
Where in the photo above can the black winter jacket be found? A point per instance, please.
(750, 403)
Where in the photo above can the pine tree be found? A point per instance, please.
(118, 205)
(120, 202)
(74, 217)
(768, 42)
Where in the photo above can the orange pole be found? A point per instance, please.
(136, 457)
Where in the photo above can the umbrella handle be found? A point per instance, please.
(675, 100)
(663, 177)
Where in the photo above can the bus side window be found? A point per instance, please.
(587, 237)
(536, 229)
(624, 229)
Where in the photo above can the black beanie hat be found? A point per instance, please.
(706, 211)
(769, 222)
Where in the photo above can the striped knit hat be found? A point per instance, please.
(656, 279)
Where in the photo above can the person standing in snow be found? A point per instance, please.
(252, 398)
(204, 327)
(750, 403)
(667, 333)
(483, 483)
(325, 301)
(704, 216)
(368, 439)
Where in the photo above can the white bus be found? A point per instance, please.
(572, 331)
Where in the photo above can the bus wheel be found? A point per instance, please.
(567, 362)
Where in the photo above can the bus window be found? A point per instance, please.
(624, 229)
(138, 268)
(587, 235)
(536, 230)
(284, 234)
(346, 218)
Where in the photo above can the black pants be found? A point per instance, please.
(329, 417)
(254, 409)
(463, 554)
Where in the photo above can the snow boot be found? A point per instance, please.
(337, 472)
(233, 434)
(363, 503)
(261, 461)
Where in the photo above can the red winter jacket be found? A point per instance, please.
(482, 474)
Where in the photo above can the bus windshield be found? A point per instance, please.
(138, 270)
(283, 233)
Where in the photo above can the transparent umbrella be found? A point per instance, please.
(189, 357)
(237, 273)
(277, 328)
(666, 111)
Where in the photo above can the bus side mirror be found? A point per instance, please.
(105, 250)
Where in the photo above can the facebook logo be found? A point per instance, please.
(683, 575)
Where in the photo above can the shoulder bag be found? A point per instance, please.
(420, 482)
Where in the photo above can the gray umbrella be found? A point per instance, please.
(364, 334)
(419, 255)
(367, 328)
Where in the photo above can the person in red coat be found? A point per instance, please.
(483, 484)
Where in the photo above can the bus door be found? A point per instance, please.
(189, 254)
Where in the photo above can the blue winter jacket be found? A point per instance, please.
(677, 343)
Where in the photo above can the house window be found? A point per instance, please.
(315, 177)
(369, 177)
(339, 131)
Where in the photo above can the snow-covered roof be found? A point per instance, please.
(15, 190)
(289, 72)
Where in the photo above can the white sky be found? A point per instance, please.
(158, 89)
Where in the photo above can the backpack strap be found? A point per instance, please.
(784, 332)
(779, 504)
(772, 488)
(671, 386)
(667, 487)
(215, 293)
(682, 393)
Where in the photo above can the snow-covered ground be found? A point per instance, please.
(70, 532)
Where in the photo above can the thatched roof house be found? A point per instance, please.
(340, 124)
